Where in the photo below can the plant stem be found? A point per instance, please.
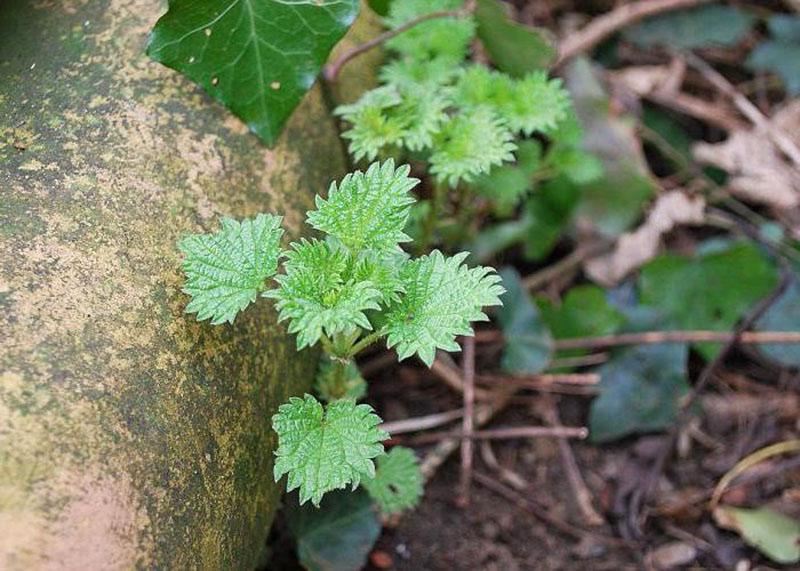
(436, 202)
(332, 70)
(365, 342)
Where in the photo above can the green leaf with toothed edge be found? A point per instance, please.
(325, 449)
(258, 58)
(225, 271)
(318, 294)
(442, 297)
(397, 485)
(367, 210)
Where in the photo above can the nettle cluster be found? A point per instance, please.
(344, 292)
(478, 130)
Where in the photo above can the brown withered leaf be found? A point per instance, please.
(635, 248)
(759, 171)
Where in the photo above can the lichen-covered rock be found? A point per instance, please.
(132, 436)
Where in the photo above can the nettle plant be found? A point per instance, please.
(344, 292)
(462, 121)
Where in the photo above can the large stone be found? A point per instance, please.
(132, 436)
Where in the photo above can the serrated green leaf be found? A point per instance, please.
(335, 381)
(442, 297)
(471, 143)
(397, 485)
(407, 72)
(703, 26)
(528, 343)
(226, 271)
(367, 210)
(513, 47)
(710, 291)
(506, 185)
(338, 535)
(640, 391)
(382, 269)
(258, 58)
(325, 449)
(437, 38)
(318, 294)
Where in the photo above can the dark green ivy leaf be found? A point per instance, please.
(514, 48)
(710, 291)
(781, 53)
(640, 391)
(338, 535)
(528, 344)
(704, 26)
(257, 57)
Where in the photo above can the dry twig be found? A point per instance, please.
(601, 28)
(468, 420)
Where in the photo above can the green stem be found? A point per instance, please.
(436, 202)
(366, 342)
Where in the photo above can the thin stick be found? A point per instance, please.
(545, 379)
(641, 494)
(550, 273)
(509, 433)
(421, 422)
(601, 28)
(778, 136)
(332, 70)
(583, 496)
(452, 378)
(468, 421)
(655, 337)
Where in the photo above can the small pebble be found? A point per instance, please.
(381, 559)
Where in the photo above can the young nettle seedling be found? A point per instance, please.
(344, 292)
(479, 131)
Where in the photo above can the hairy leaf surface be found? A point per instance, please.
(397, 484)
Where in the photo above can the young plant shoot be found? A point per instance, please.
(345, 292)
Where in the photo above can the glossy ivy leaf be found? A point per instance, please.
(781, 53)
(704, 26)
(470, 144)
(329, 387)
(442, 297)
(397, 485)
(640, 391)
(782, 316)
(256, 58)
(367, 210)
(226, 271)
(318, 295)
(437, 38)
(710, 291)
(513, 47)
(325, 449)
(528, 343)
(337, 536)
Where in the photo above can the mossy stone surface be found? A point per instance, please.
(132, 436)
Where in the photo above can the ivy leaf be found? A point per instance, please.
(397, 484)
(710, 291)
(226, 271)
(338, 535)
(325, 449)
(318, 295)
(703, 26)
(640, 391)
(442, 298)
(513, 47)
(528, 343)
(781, 53)
(258, 58)
(367, 210)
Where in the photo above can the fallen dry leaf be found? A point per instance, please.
(759, 171)
(635, 248)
